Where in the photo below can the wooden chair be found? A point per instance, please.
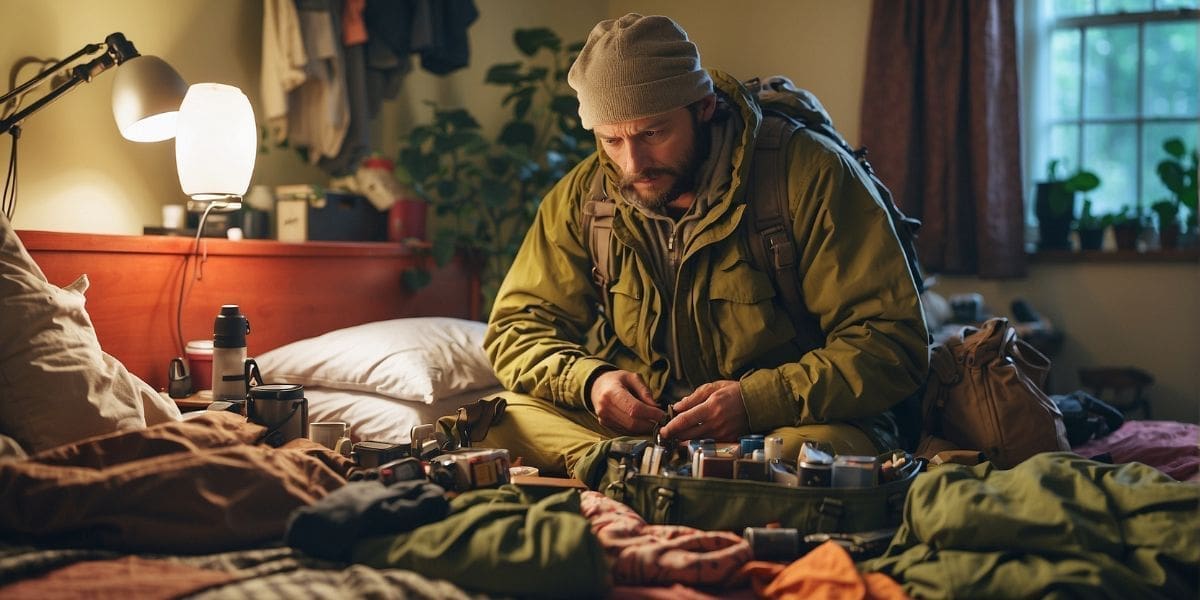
(1125, 386)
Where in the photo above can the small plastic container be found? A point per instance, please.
(200, 363)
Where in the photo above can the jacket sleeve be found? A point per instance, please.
(547, 302)
(856, 281)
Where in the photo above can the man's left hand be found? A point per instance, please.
(715, 410)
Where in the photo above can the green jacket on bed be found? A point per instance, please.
(546, 336)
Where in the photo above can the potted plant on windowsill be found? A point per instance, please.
(1090, 228)
(1054, 205)
(1127, 225)
(1180, 178)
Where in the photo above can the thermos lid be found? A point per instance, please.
(277, 391)
(230, 328)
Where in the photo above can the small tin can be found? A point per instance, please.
(749, 443)
(779, 544)
(814, 474)
(853, 471)
(773, 448)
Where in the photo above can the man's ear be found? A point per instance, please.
(708, 106)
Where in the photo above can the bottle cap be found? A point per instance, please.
(230, 328)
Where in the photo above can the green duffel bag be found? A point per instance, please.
(733, 505)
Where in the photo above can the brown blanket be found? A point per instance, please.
(186, 487)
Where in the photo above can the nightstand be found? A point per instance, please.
(197, 401)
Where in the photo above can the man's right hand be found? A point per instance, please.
(622, 402)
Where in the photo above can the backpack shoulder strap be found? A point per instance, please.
(598, 212)
(771, 241)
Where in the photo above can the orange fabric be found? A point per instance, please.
(827, 572)
(119, 579)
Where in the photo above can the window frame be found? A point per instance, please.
(1034, 34)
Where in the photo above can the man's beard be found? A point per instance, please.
(684, 173)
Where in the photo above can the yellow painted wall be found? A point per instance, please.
(78, 174)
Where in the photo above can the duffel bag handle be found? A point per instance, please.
(664, 501)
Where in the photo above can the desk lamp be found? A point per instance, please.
(216, 142)
(146, 96)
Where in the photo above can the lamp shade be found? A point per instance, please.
(145, 99)
(216, 142)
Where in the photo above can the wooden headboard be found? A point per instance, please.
(287, 291)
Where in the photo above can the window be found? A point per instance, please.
(1105, 83)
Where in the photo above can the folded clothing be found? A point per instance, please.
(330, 528)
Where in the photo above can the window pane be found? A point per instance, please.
(1117, 6)
(1111, 152)
(1172, 4)
(1110, 83)
(1155, 134)
(1063, 146)
(1064, 74)
(1072, 8)
(1171, 69)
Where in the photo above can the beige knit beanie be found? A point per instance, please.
(636, 67)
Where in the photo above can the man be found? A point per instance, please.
(688, 320)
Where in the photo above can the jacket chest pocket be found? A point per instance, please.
(744, 316)
(630, 313)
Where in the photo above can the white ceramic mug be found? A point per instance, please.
(331, 434)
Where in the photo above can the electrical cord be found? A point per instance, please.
(8, 201)
(183, 278)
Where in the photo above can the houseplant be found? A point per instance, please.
(1180, 178)
(1054, 205)
(1126, 224)
(1091, 228)
(485, 192)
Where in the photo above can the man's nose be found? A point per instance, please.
(636, 159)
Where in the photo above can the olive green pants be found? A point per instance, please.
(552, 438)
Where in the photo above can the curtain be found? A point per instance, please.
(940, 117)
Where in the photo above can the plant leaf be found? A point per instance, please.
(529, 41)
(518, 133)
(565, 105)
(415, 278)
(1174, 146)
(503, 73)
(443, 249)
(522, 107)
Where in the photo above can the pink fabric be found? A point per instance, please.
(1168, 446)
(661, 554)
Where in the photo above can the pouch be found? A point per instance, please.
(730, 504)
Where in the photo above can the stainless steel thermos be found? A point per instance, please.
(229, 354)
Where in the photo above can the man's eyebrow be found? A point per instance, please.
(655, 124)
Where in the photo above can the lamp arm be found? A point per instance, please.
(117, 50)
(88, 49)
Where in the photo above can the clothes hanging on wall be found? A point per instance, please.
(327, 66)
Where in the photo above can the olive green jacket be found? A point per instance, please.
(547, 338)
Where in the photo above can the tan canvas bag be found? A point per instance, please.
(985, 393)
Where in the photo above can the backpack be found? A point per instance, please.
(785, 110)
(985, 393)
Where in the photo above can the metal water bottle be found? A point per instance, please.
(229, 354)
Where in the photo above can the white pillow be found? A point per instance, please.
(379, 418)
(421, 359)
(56, 385)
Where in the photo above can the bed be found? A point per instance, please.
(336, 318)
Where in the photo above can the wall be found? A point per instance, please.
(78, 174)
(1141, 314)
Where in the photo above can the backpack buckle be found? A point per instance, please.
(781, 248)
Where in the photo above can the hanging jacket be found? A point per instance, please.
(547, 336)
